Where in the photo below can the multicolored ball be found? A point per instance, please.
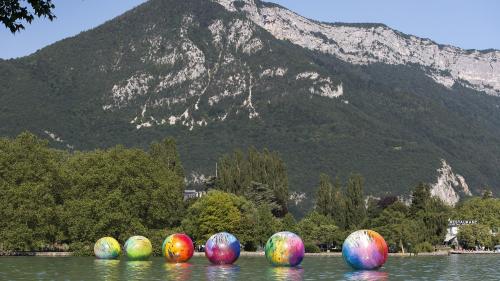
(285, 249)
(138, 248)
(222, 248)
(177, 248)
(107, 248)
(365, 249)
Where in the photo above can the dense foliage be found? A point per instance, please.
(59, 200)
(50, 198)
(259, 176)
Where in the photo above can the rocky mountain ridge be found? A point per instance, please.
(449, 187)
(447, 65)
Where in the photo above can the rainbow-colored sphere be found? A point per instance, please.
(107, 248)
(177, 248)
(222, 248)
(285, 249)
(365, 249)
(138, 248)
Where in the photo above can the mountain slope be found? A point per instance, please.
(216, 80)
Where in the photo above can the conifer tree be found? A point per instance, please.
(355, 204)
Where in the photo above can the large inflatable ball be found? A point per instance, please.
(222, 248)
(365, 249)
(107, 248)
(177, 248)
(285, 249)
(138, 248)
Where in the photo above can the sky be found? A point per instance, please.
(463, 23)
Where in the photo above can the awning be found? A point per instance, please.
(449, 237)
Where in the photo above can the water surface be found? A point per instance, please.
(455, 267)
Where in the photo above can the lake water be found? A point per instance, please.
(455, 267)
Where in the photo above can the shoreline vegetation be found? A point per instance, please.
(63, 200)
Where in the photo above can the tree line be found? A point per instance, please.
(59, 200)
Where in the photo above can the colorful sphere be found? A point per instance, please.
(177, 248)
(365, 249)
(285, 249)
(138, 248)
(107, 248)
(222, 248)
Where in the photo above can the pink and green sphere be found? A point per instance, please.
(285, 249)
(365, 249)
(138, 248)
(177, 248)
(222, 248)
(107, 248)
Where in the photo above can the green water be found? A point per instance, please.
(453, 267)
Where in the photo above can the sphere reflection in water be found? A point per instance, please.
(367, 275)
(222, 272)
(178, 271)
(107, 269)
(137, 270)
(286, 273)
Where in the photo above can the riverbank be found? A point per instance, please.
(251, 254)
(474, 253)
(36, 254)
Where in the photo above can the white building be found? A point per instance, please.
(452, 231)
(191, 193)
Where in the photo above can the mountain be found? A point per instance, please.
(220, 75)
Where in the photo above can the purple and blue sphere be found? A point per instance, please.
(222, 248)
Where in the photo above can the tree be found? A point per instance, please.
(288, 223)
(485, 211)
(220, 211)
(266, 225)
(241, 174)
(319, 229)
(324, 196)
(355, 203)
(470, 236)
(487, 194)
(338, 208)
(421, 197)
(165, 152)
(30, 190)
(118, 192)
(397, 228)
(13, 13)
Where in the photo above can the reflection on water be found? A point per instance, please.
(367, 275)
(286, 273)
(107, 270)
(459, 267)
(222, 272)
(137, 270)
(178, 271)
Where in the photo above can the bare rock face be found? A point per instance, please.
(449, 186)
(376, 43)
